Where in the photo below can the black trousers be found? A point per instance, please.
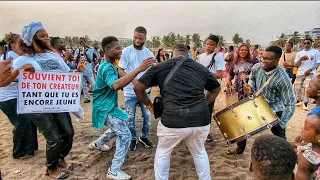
(294, 76)
(58, 131)
(276, 130)
(211, 109)
(25, 139)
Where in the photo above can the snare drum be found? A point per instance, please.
(245, 118)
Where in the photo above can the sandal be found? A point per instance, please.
(68, 168)
(209, 138)
(62, 175)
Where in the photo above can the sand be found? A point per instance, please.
(93, 165)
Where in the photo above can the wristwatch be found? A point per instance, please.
(149, 106)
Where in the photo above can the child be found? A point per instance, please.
(309, 155)
(313, 91)
(105, 110)
(272, 158)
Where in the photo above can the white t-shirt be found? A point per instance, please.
(11, 91)
(43, 62)
(313, 57)
(219, 64)
(130, 60)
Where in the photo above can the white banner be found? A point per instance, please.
(48, 92)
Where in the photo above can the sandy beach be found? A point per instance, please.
(93, 165)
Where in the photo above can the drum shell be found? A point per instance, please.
(245, 118)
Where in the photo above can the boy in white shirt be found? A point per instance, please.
(307, 61)
(214, 62)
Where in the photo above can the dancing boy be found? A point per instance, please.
(105, 110)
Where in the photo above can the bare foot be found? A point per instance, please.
(27, 156)
(57, 174)
(64, 164)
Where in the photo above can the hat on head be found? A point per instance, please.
(29, 31)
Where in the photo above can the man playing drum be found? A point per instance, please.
(279, 92)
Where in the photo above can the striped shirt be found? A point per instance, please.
(279, 92)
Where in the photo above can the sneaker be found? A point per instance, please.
(305, 106)
(133, 145)
(299, 103)
(93, 146)
(120, 175)
(87, 101)
(146, 142)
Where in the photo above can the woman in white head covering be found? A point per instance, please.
(56, 127)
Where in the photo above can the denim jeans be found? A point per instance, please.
(194, 137)
(25, 139)
(117, 127)
(85, 89)
(131, 104)
(300, 80)
(58, 131)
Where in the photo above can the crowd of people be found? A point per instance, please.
(189, 83)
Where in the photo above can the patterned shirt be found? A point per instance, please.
(105, 99)
(279, 92)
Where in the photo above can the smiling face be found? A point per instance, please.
(43, 36)
(268, 60)
(243, 52)
(138, 40)
(114, 51)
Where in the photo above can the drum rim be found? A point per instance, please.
(252, 133)
(236, 105)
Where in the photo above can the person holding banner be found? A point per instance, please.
(56, 127)
(25, 140)
(105, 109)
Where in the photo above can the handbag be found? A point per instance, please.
(158, 102)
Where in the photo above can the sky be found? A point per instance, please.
(258, 21)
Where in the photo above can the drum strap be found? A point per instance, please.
(266, 83)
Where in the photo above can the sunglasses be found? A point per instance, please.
(307, 43)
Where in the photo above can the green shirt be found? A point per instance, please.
(105, 99)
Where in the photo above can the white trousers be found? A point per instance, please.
(170, 137)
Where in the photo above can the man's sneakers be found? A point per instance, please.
(146, 142)
(120, 175)
(93, 146)
(133, 145)
(305, 106)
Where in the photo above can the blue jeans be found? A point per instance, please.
(131, 104)
(85, 89)
(117, 127)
